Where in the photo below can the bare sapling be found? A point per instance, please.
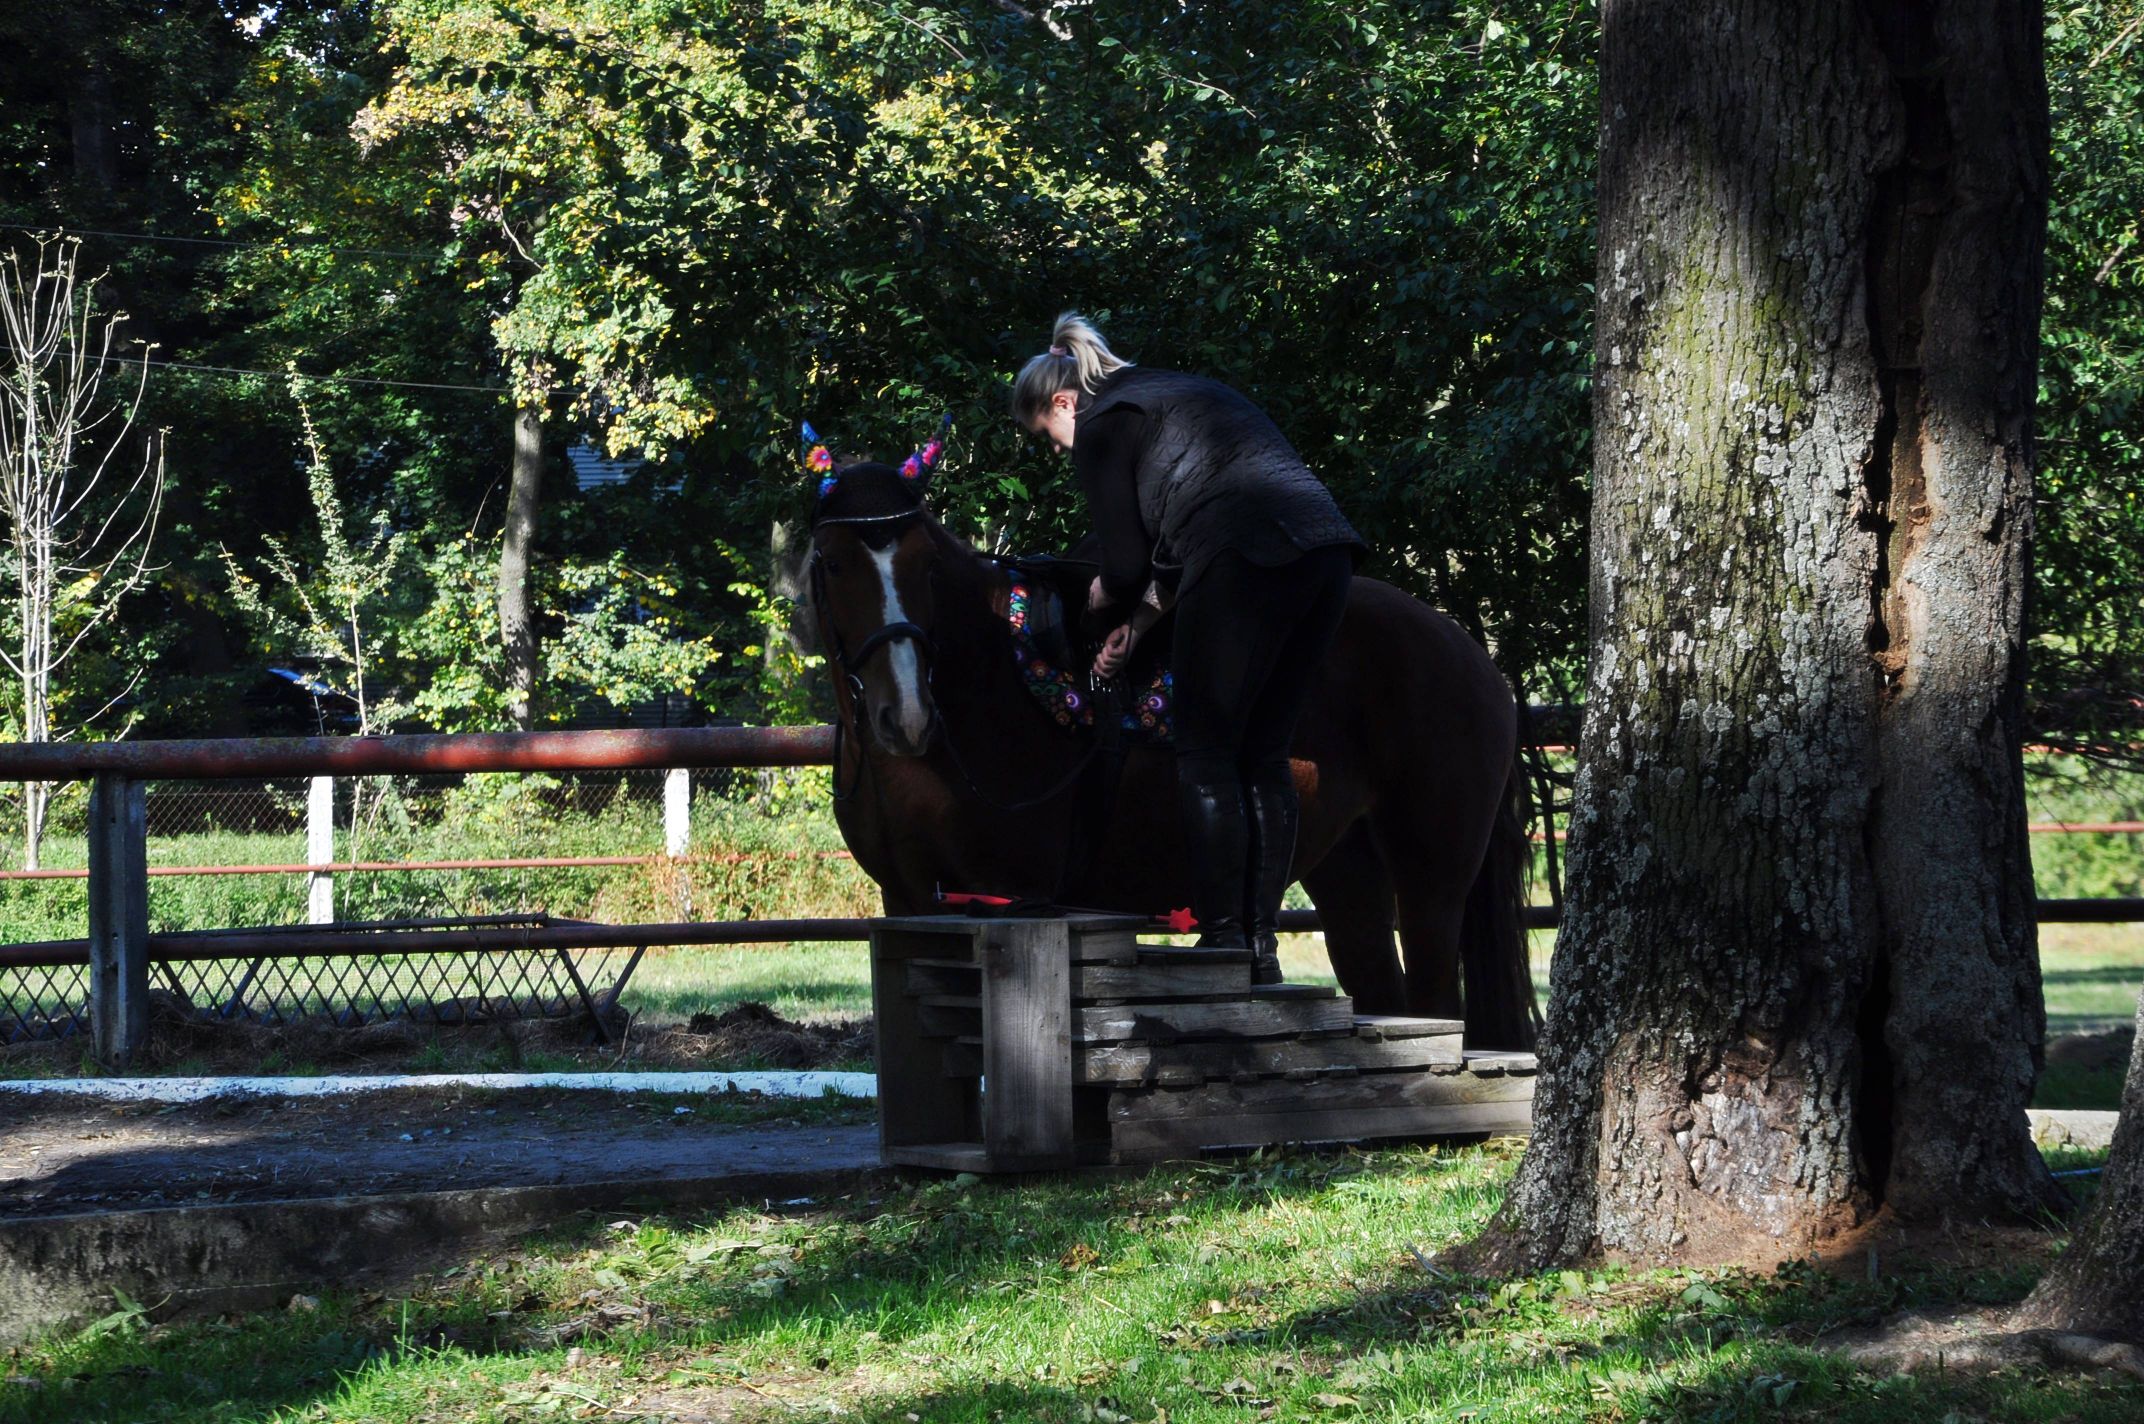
(323, 612)
(79, 494)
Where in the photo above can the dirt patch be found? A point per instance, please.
(1980, 1341)
(748, 1036)
(756, 1036)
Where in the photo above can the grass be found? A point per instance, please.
(1284, 1287)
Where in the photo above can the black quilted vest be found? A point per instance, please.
(1216, 474)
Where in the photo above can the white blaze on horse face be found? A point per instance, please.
(901, 659)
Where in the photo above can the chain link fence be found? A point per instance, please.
(490, 849)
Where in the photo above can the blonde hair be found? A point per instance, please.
(1078, 359)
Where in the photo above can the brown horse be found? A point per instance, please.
(950, 775)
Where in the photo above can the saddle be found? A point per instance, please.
(1056, 653)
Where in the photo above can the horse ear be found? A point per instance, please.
(917, 467)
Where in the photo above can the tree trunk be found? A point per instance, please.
(1796, 981)
(517, 622)
(2096, 1287)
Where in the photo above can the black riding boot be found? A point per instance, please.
(1271, 801)
(1214, 843)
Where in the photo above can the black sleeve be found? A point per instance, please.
(1104, 456)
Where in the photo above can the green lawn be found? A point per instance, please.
(1289, 1287)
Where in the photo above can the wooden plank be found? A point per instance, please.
(1130, 1063)
(947, 1156)
(1162, 1139)
(1398, 1026)
(1190, 954)
(1159, 981)
(1269, 1095)
(1491, 1062)
(958, 926)
(941, 978)
(1027, 1045)
(1241, 1018)
(1110, 946)
(1293, 991)
(937, 1022)
(917, 1103)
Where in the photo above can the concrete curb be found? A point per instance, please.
(194, 1090)
(2072, 1127)
(57, 1271)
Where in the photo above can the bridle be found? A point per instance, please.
(848, 666)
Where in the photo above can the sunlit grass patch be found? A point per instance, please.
(1281, 1286)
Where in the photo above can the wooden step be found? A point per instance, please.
(1398, 1026)
(1497, 1063)
(1153, 953)
(1227, 1018)
(1134, 1063)
(1157, 1123)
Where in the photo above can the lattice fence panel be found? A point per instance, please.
(43, 1002)
(454, 987)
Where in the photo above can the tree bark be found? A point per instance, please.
(1796, 982)
(517, 622)
(2096, 1287)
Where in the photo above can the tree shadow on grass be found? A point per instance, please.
(901, 1254)
(957, 1299)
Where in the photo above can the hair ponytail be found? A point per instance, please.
(1078, 359)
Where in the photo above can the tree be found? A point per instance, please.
(2096, 1287)
(79, 527)
(1797, 979)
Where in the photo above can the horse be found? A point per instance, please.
(950, 775)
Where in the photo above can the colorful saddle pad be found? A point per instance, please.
(1063, 693)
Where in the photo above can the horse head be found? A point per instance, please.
(875, 555)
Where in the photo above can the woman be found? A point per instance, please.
(1192, 488)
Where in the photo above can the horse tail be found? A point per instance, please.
(1501, 1012)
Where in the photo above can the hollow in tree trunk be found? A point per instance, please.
(1797, 981)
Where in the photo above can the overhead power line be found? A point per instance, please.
(283, 375)
(41, 230)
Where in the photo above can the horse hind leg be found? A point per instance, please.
(1431, 899)
(1353, 893)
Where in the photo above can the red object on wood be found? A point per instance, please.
(1177, 921)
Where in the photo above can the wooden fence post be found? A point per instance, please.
(118, 919)
(320, 850)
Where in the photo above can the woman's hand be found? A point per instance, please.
(1095, 597)
(1116, 650)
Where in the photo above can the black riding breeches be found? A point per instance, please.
(1249, 640)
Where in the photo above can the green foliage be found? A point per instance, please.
(713, 218)
(2089, 569)
(689, 223)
